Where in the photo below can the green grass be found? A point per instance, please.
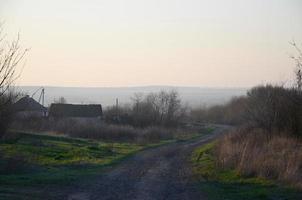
(221, 184)
(34, 159)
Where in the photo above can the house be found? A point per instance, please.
(57, 110)
(28, 107)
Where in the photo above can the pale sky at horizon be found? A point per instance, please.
(211, 43)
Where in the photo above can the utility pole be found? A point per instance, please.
(41, 97)
(116, 106)
(43, 94)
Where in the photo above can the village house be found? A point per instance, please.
(28, 107)
(79, 111)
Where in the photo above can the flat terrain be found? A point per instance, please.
(159, 173)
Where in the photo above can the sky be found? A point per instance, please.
(113, 43)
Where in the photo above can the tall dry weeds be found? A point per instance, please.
(254, 152)
(96, 129)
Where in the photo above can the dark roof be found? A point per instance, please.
(28, 104)
(72, 110)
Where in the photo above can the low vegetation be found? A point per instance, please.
(95, 129)
(256, 153)
(226, 183)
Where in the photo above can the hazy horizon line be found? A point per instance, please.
(140, 86)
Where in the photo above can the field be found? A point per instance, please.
(227, 184)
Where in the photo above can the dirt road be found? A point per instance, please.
(159, 173)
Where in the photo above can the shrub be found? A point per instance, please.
(275, 107)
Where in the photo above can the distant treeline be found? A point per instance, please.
(272, 108)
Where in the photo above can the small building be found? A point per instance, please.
(57, 110)
(28, 107)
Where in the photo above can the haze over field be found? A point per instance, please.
(193, 96)
(204, 43)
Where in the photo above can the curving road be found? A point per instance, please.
(159, 173)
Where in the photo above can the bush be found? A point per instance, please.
(274, 107)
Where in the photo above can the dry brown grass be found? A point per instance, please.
(96, 129)
(255, 152)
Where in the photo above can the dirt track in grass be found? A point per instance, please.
(158, 173)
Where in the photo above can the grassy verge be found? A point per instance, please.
(228, 184)
(31, 159)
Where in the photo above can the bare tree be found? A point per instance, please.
(162, 108)
(297, 93)
(298, 61)
(137, 99)
(11, 54)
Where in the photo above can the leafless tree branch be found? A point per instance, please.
(11, 54)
